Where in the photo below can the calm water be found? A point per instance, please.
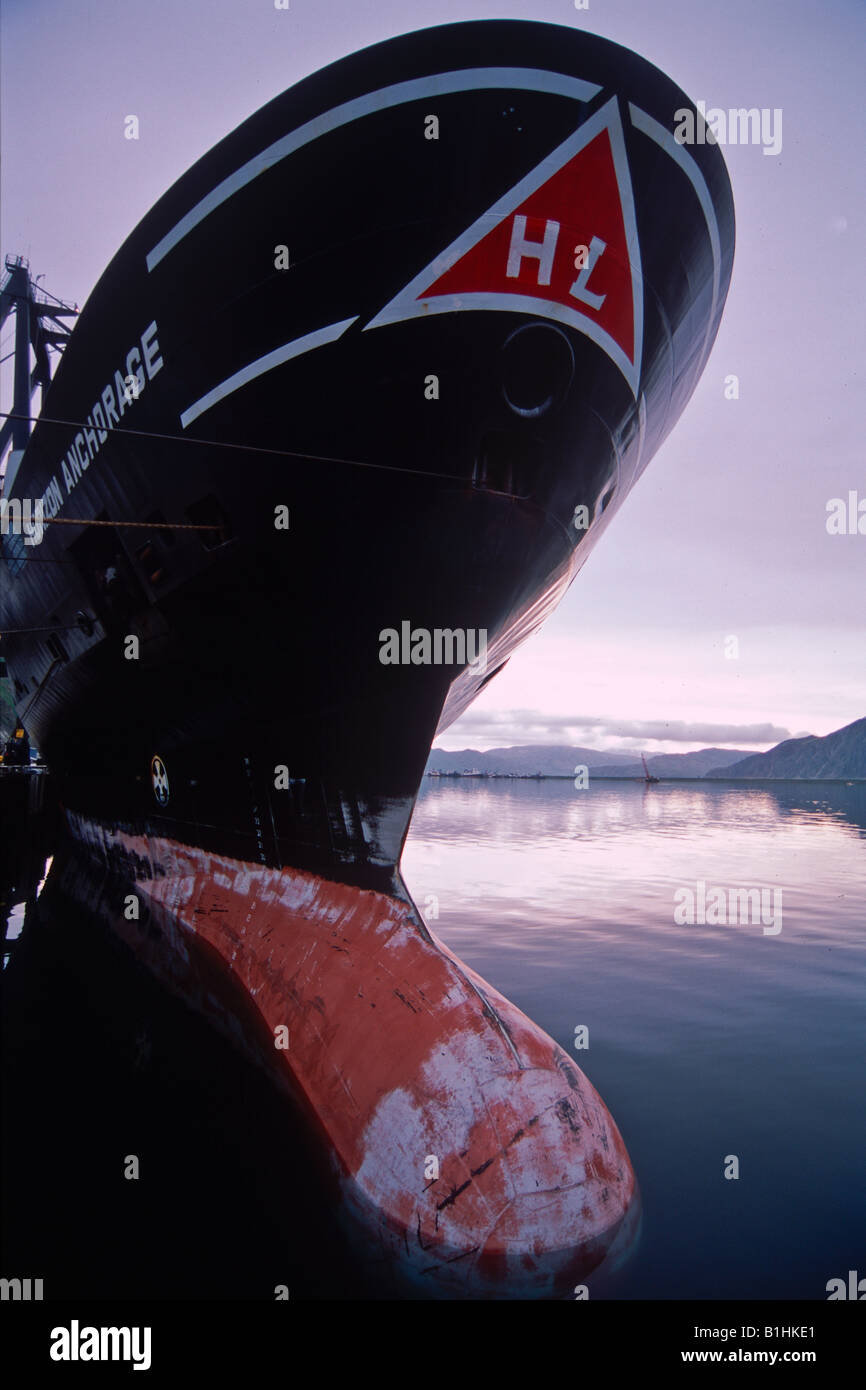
(705, 1040)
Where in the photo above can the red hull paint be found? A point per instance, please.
(405, 1055)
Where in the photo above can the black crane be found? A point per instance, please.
(39, 326)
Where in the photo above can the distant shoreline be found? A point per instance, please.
(569, 777)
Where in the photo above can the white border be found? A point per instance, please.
(296, 348)
(664, 138)
(438, 84)
(407, 305)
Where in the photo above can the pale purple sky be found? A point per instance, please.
(725, 534)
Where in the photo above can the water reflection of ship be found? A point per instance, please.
(196, 1094)
(212, 1133)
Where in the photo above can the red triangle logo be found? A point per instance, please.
(582, 201)
(561, 244)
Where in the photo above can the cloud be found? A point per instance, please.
(534, 726)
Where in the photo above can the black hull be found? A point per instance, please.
(258, 681)
(408, 440)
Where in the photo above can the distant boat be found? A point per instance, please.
(648, 777)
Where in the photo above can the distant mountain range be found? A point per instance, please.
(560, 760)
(841, 754)
(556, 759)
(697, 764)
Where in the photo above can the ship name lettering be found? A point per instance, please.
(140, 365)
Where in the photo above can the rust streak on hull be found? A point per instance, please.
(406, 1055)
